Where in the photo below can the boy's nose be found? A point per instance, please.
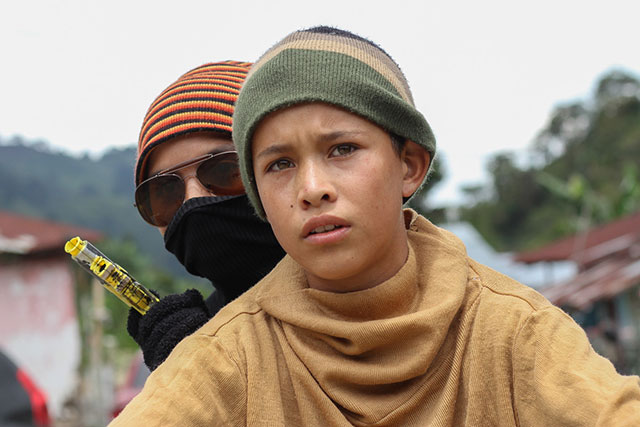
(193, 188)
(315, 187)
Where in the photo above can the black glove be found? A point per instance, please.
(166, 323)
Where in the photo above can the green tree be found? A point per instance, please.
(583, 170)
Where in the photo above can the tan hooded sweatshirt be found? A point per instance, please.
(445, 342)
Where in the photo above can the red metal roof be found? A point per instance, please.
(571, 248)
(24, 235)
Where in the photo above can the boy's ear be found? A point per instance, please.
(416, 161)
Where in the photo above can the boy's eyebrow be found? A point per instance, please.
(273, 149)
(330, 136)
(327, 137)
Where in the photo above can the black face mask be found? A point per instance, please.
(221, 239)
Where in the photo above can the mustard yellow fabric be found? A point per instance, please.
(446, 342)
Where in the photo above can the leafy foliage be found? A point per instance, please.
(583, 170)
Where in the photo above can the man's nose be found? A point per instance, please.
(316, 186)
(194, 188)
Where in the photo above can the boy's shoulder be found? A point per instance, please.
(495, 287)
(245, 311)
(485, 277)
(235, 314)
(501, 286)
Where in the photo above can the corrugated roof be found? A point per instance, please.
(24, 235)
(602, 281)
(570, 248)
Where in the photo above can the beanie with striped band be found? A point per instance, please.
(200, 100)
(325, 64)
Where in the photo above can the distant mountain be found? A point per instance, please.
(92, 192)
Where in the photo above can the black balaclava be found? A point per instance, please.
(221, 239)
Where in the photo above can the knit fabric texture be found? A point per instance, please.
(445, 342)
(166, 324)
(200, 100)
(332, 66)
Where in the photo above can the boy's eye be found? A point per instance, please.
(279, 165)
(343, 150)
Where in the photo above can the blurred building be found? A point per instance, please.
(604, 294)
(535, 275)
(38, 322)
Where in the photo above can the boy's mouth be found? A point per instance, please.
(324, 228)
(323, 224)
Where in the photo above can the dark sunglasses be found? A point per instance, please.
(160, 196)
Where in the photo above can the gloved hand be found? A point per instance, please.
(166, 323)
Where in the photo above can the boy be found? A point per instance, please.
(375, 316)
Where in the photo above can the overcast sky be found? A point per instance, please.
(486, 74)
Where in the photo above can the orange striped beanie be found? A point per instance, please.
(200, 100)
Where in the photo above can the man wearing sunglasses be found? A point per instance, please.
(188, 186)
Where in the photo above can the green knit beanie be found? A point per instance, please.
(325, 64)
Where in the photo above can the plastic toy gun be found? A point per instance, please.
(113, 277)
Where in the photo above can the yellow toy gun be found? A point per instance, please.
(113, 277)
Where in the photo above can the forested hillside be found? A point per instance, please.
(582, 169)
(97, 193)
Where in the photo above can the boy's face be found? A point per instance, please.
(332, 186)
